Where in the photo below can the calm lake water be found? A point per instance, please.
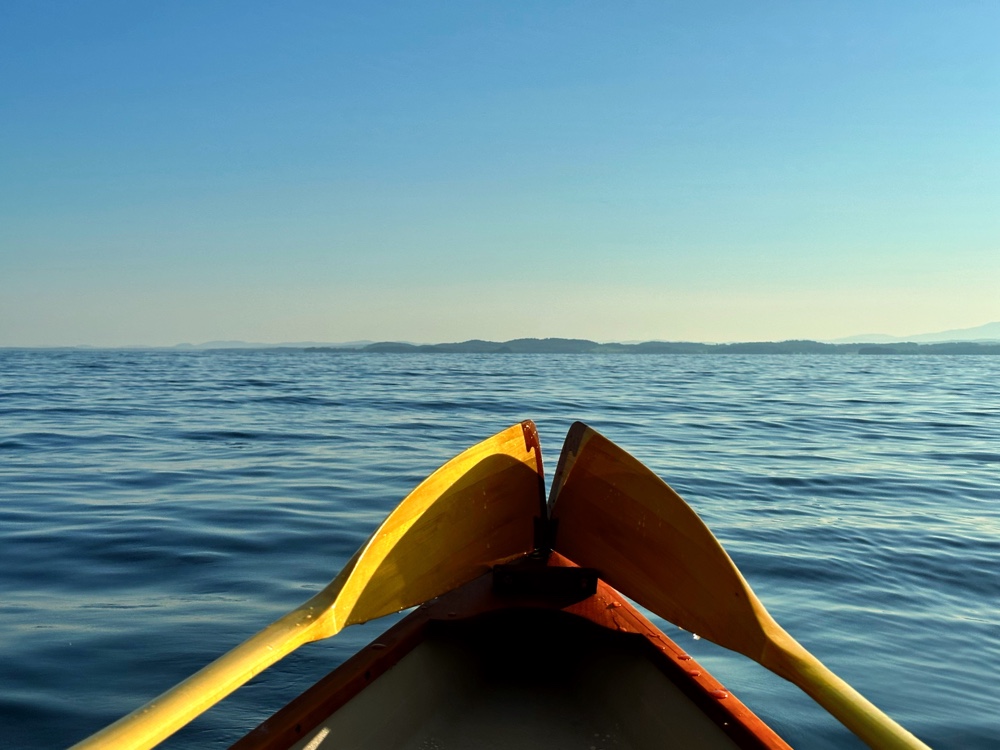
(156, 508)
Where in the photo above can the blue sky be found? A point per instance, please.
(186, 172)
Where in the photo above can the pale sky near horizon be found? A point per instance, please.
(187, 172)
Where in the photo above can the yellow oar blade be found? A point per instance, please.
(615, 515)
(475, 511)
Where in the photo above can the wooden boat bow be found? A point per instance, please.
(486, 508)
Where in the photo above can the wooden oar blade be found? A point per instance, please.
(614, 514)
(478, 509)
(475, 511)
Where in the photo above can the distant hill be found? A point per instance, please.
(585, 346)
(873, 345)
(989, 332)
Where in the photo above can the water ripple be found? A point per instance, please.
(178, 501)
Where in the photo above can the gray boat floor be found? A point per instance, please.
(440, 696)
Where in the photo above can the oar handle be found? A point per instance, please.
(792, 661)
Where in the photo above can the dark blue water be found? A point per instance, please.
(156, 508)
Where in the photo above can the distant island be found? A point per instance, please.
(585, 346)
(983, 339)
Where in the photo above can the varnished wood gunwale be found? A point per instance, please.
(469, 605)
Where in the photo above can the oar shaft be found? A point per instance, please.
(475, 511)
(793, 662)
(161, 717)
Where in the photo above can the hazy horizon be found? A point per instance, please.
(986, 332)
(441, 173)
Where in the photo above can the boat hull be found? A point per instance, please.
(524, 657)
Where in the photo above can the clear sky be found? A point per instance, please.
(333, 171)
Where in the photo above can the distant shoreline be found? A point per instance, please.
(584, 346)
(572, 346)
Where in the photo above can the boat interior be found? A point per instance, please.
(524, 678)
